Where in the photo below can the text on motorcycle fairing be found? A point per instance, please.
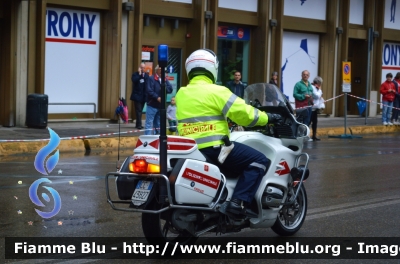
(200, 178)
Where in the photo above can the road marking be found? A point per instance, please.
(355, 206)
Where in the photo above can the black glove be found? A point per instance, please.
(275, 119)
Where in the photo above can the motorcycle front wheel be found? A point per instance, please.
(158, 229)
(291, 217)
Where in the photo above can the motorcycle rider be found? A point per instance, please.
(202, 110)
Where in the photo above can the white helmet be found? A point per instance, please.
(202, 62)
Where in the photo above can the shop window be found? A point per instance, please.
(173, 70)
(232, 53)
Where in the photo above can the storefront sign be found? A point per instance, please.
(145, 56)
(390, 59)
(72, 54)
(70, 27)
(148, 48)
(234, 33)
(391, 56)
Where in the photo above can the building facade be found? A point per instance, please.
(86, 51)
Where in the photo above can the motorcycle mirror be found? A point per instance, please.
(303, 131)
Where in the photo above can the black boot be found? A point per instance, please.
(236, 207)
(239, 208)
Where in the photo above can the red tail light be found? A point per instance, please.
(142, 166)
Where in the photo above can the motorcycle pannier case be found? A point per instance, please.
(197, 183)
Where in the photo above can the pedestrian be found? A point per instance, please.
(153, 92)
(236, 86)
(202, 109)
(138, 96)
(302, 94)
(271, 95)
(171, 116)
(318, 102)
(274, 78)
(388, 91)
(396, 101)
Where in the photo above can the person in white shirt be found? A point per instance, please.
(318, 102)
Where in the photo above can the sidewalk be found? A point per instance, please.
(89, 134)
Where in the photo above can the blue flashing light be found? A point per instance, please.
(162, 53)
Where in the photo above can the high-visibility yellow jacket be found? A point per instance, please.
(202, 108)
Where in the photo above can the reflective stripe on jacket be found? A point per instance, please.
(202, 109)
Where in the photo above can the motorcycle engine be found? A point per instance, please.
(272, 197)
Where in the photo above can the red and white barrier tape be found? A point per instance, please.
(370, 101)
(136, 131)
(79, 137)
(333, 98)
(71, 138)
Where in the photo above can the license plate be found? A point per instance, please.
(141, 193)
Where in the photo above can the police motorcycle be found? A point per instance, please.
(191, 199)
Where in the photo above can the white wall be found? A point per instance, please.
(245, 5)
(72, 59)
(179, 1)
(313, 9)
(392, 14)
(298, 59)
(357, 12)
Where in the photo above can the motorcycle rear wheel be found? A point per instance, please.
(291, 217)
(158, 231)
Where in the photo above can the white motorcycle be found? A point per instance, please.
(191, 199)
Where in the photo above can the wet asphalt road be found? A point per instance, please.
(353, 191)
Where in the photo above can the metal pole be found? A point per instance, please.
(163, 62)
(345, 113)
(163, 126)
(370, 30)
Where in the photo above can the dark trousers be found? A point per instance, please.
(308, 119)
(304, 115)
(250, 163)
(138, 112)
(314, 122)
(395, 112)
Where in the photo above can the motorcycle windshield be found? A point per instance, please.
(266, 94)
